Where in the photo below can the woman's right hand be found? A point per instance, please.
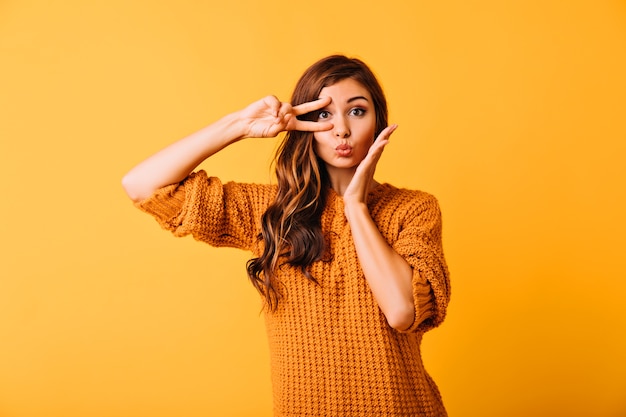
(262, 119)
(269, 116)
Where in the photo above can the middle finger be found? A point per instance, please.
(310, 106)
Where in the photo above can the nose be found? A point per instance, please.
(341, 129)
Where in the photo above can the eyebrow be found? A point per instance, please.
(351, 99)
(356, 98)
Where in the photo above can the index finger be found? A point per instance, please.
(305, 126)
(310, 106)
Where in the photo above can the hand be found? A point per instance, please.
(363, 178)
(269, 116)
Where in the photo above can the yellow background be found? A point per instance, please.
(511, 112)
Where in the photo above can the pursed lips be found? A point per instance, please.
(343, 149)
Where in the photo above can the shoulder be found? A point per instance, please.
(400, 208)
(389, 197)
(231, 188)
(268, 190)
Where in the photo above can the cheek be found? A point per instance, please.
(369, 127)
(374, 127)
(369, 132)
(316, 141)
(320, 138)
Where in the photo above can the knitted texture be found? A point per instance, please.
(332, 352)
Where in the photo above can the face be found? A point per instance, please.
(352, 114)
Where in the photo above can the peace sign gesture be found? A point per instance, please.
(264, 118)
(269, 116)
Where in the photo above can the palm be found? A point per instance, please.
(263, 119)
(359, 186)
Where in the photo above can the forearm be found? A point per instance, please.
(173, 163)
(388, 275)
(264, 118)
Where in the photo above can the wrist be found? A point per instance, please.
(235, 126)
(354, 208)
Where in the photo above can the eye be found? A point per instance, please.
(323, 114)
(358, 112)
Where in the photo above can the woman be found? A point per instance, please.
(351, 271)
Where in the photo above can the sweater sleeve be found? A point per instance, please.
(420, 244)
(212, 212)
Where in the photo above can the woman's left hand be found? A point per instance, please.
(388, 274)
(361, 182)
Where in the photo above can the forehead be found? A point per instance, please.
(344, 90)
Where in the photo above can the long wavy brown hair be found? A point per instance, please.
(291, 225)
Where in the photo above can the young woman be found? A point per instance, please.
(351, 271)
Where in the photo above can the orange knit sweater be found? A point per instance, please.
(332, 352)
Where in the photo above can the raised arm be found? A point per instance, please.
(262, 119)
(387, 273)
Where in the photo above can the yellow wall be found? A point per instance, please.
(511, 112)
